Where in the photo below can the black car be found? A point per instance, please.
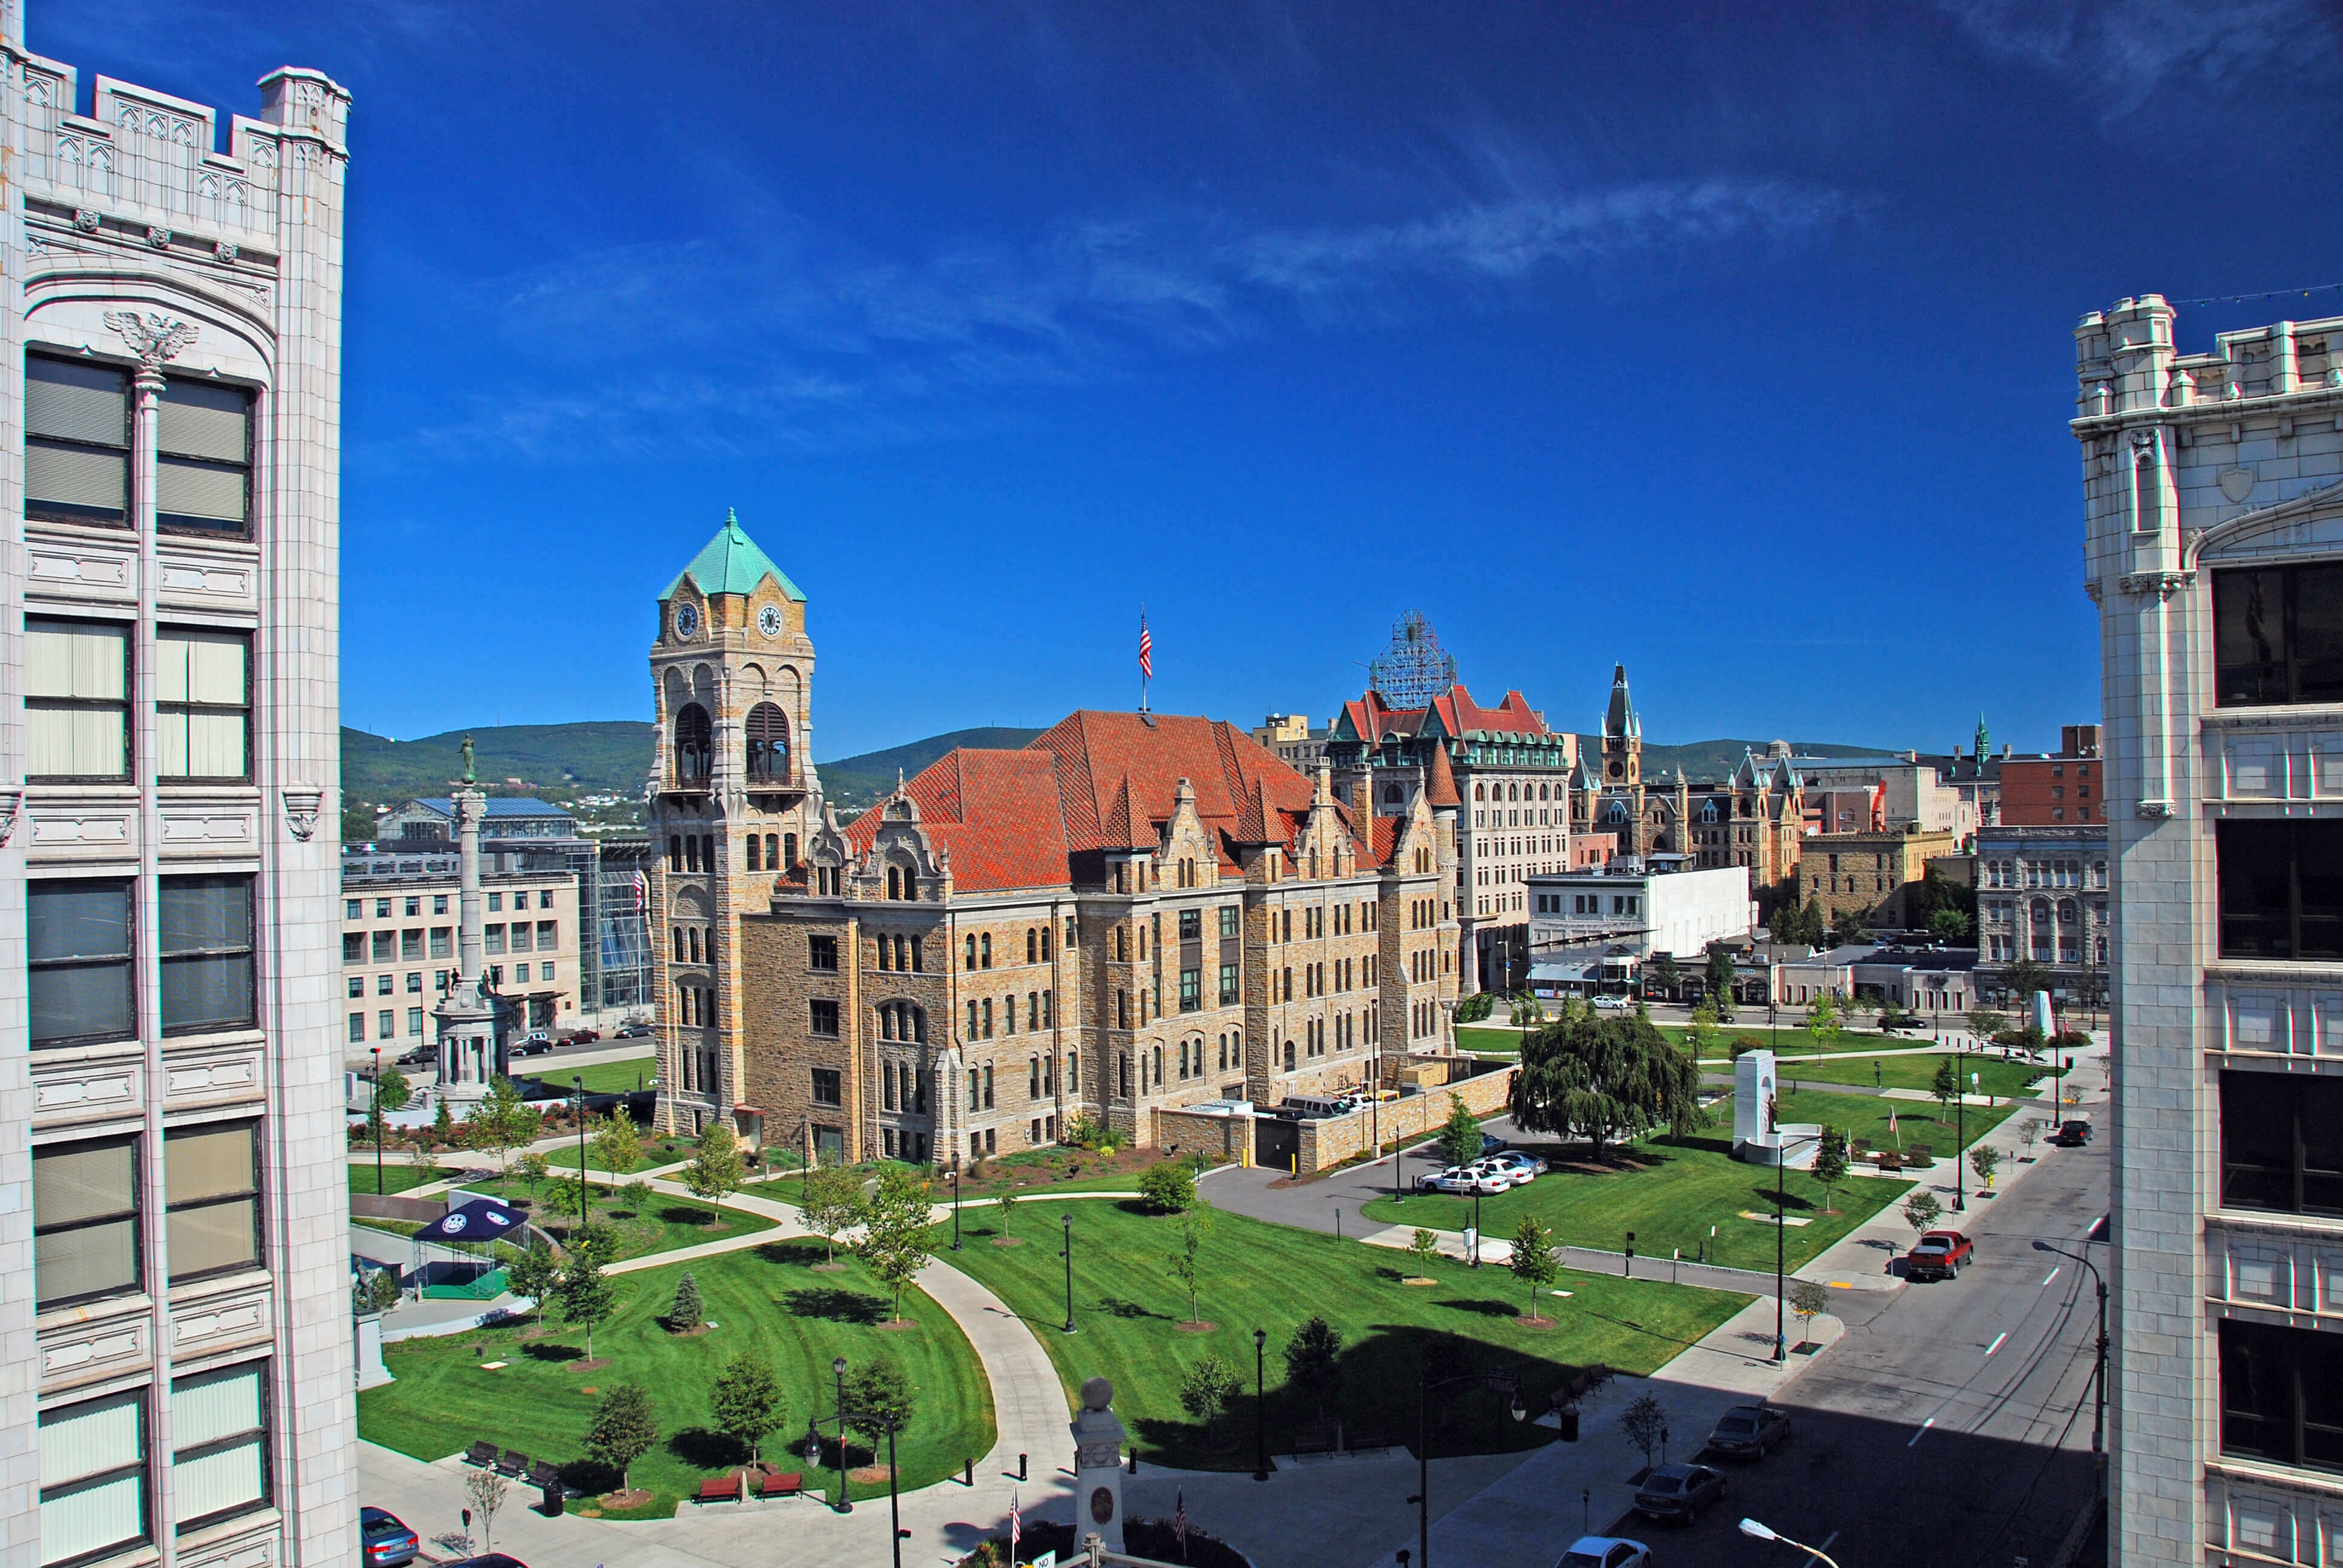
(2073, 1133)
(1679, 1491)
(1748, 1429)
(385, 1541)
(493, 1559)
(633, 1032)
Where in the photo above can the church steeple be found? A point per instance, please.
(1622, 735)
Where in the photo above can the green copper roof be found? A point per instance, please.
(731, 563)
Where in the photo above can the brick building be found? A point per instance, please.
(1869, 874)
(2070, 788)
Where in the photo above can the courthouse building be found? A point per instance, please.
(2213, 503)
(175, 1343)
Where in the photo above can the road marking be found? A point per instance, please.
(2052, 1274)
(1997, 1343)
(1923, 1431)
(1841, 1285)
(1814, 1553)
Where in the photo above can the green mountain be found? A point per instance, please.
(560, 761)
(1702, 760)
(855, 782)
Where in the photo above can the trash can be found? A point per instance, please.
(556, 1501)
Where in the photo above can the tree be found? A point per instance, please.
(880, 1399)
(1207, 1388)
(443, 1123)
(1313, 1361)
(1195, 1225)
(534, 1272)
(1008, 1201)
(1984, 1022)
(1646, 1424)
(1424, 1247)
(1782, 925)
(830, 1203)
(1922, 1210)
(374, 1290)
(1813, 924)
(1823, 1018)
(1947, 924)
(1606, 1079)
(1945, 1085)
(898, 1223)
(1721, 976)
(486, 1489)
(1168, 1187)
(391, 1092)
(566, 1195)
(534, 1169)
(595, 1241)
(2029, 1130)
(1985, 1159)
(585, 1295)
(617, 1147)
(716, 1169)
(1460, 1135)
(1855, 926)
(637, 1196)
(1533, 1261)
(1661, 974)
(1702, 1033)
(684, 1313)
(1830, 1163)
(503, 1122)
(623, 1429)
(747, 1399)
(2024, 978)
(1807, 1299)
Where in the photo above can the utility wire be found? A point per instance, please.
(2266, 294)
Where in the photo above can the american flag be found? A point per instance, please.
(642, 892)
(1179, 1523)
(1016, 1528)
(1146, 651)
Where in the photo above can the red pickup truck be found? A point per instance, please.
(1938, 1255)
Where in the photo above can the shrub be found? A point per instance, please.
(1743, 1044)
(1168, 1187)
(685, 1313)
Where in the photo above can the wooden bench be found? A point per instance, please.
(481, 1453)
(791, 1484)
(721, 1489)
(515, 1463)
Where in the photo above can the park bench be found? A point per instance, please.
(721, 1488)
(1582, 1385)
(789, 1484)
(481, 1453)
(515, 1463)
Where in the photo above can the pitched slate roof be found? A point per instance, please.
(731, 563)
(996, 813)
(1453, 713)
(1440, 783)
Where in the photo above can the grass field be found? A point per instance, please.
(1866, 1116)
(1669, 1191)
(664, 1223)
(398, 1175)
(1127, 1309)
(1995, 1076)
(1792, 1040)
(605, 1077)
(765, 1300)
(654, 1155)
(1488, 1042)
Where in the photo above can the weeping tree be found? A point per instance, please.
(1605, 1080)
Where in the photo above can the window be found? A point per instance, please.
(357, 1028)
(77, 441)
(496, 902)
(2277, 635)
(2282, 1143)
(827, 1087)
(824, 1017)
(694, 741)
(1191, 989)
(203, 459)
(2281, 889)
(415, 1019)
(548, 933)
(492, 938)
(78, 953)
(212, 1182)
(202, 701)
(2282, 1394)
(769, 745)
(756, 855)
(438, 903)
(1191, 925)
(1228, 985)
(85, 1221)
(821, 953)
(205, 928)
(93, 1478)
(220, 1435)
(77, 700)
(1228, 921)
(439, 940)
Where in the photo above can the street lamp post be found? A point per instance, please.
(1960, 1137)
(845, 1504)
(952, 1176)
(1500, 1382)
(1259, 1405)
(2099, 1373)
(1751, 1527)
(1066, 1220)
(1780, 1230)
(578, 1081)
(1476, 1225)
(377, 1122)
(894, 1501)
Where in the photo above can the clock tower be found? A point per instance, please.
(733, 801)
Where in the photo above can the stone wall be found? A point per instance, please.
(1327, 1144)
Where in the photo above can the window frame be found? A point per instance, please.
(128, 961)
(84, 517)
(262, 1436)
(134, 1214)
(138, 1400)
(189, 524)
(248, 951)
(2233, 901)
(819, 1009)
(127, 707)
(2288, 665)
(252, 1195)
(2292, 1168)
(830, 1077)
(189, 709)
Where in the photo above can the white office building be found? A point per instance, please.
(1631, 907)
(175, 1367)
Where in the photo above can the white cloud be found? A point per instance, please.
(2123, 56)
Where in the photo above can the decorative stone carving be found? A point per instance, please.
(223, 250)
(2163, 585)
(85, 220)
(155, 338)
(2237, 484)
(302, 802)
(11, 801)
(158, 237)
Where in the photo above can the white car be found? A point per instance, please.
(1466, 1179)
(1523, 1166)
(1606, 1552)
(1497, 1167)
(1612, 1004)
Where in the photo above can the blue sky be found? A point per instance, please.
(1731, 342)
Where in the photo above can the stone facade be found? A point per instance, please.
(2213, 505)
(1869, 874)
(173, 1211)
(2043, 895)
(398, 945)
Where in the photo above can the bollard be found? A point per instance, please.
(1134, 1462)
(968, 1472)
(1021, 1467)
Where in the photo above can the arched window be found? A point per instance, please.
(1392, 796)
(1617, 813)
(769, 745)
(1478, 794)
(755, 844)
(894, 882)
(694, 739)
(1708, 811)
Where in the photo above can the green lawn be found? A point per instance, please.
(1493, 1042)
(653, 1157)
(606, 1077)
(392, 1227)
(1866, 1116)
(1792, 1038)
(398, 1175)
(1127, 1309)
(1995, 1076)
(664, 1224)
(766, 1301)
(1669, 1191)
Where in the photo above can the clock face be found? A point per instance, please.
(687, 621)
(769, 620)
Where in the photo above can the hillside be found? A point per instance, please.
(1709, 759)
(855, 782)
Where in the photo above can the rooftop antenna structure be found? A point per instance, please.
(1414, 669)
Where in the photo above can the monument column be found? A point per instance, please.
(1098, 1466)
(470, 1038)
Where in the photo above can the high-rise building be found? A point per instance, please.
(175, 1366)
(2213, 498)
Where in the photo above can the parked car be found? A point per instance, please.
(1748, 1429)
(386, 1540)
(1938, 1255)
(493, 1559)
(581, 1036)
(1679, 1491)
(1491, 1143)
(1608, 1003)
(1467, 1180)
(633, 1032)
(1515, 1160)
(1606, 1552)
(421, 1056)
(2073, 1132)
(1496, 1168)
(538, 1043)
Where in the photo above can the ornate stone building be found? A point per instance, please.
(176, 1340)
(1135, 912)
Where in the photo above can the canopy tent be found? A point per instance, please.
(471, 1228)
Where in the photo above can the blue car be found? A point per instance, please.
(387, 1543)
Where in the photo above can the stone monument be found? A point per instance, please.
(1098, 1466)
(1757, 1137)
(474, 1023)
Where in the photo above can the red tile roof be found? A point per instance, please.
(997, 812)
(1373, 718)
(1439, 786)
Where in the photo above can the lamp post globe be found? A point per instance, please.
(845, 1503)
